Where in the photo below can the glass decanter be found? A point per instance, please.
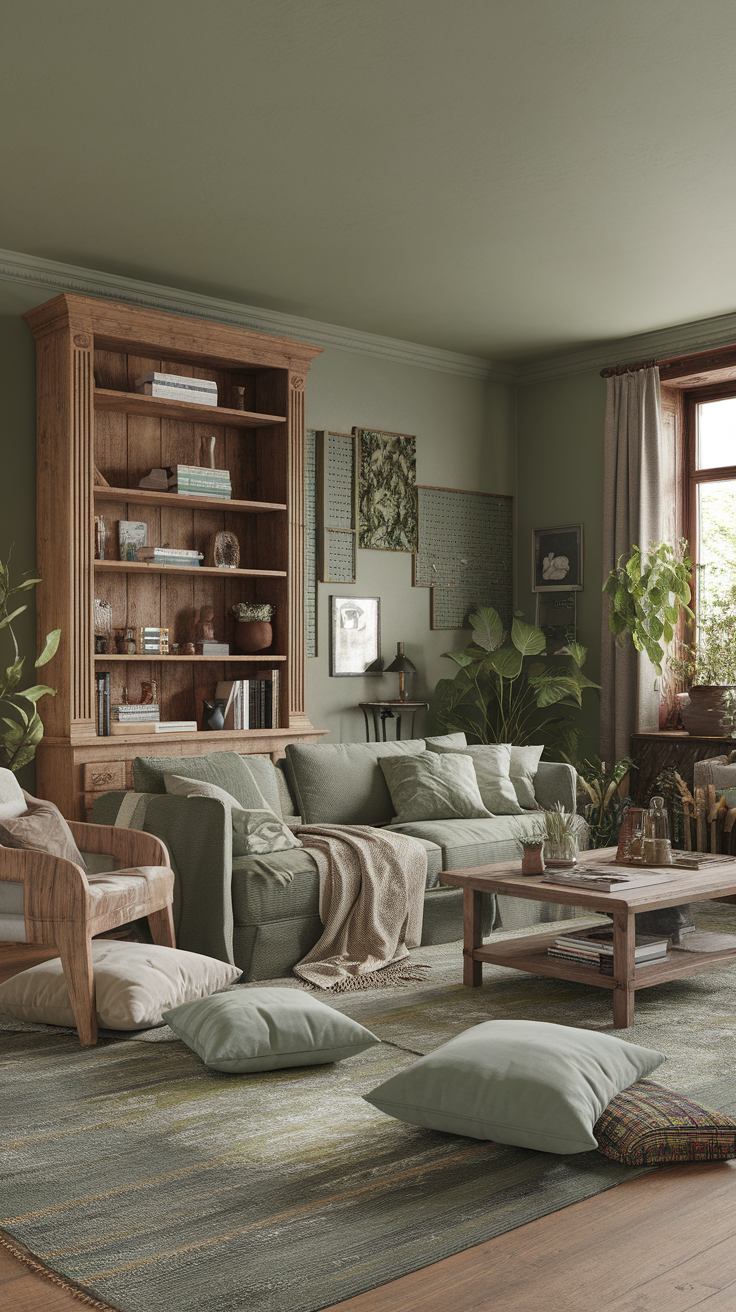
(657, 845)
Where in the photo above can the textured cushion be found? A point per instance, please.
(134, 984)
(441, 740)
(492, 762)
(433, 787)
(227, 770)
(12, 800)
(523, 770)
(266, 776)
(43, 829)
(645, 1125)
(255, 831)
(467, 843)
(342, 783)
(521, 1082)
(266, 1030)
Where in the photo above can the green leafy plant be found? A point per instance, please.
(561, 826)
(598, 784)
(500, 694)
(648, 592)
(23, 729)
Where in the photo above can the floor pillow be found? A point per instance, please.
(266, 1029)
(645, 1125)
(522, 1082)
(134, 984)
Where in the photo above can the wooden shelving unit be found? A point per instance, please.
(89, 354)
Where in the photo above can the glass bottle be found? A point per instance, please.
(657, 846)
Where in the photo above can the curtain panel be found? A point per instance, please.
(639, 507)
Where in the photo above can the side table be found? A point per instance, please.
(383, 711)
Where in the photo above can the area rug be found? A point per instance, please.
(155, 1185)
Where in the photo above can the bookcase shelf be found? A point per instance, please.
(138, 496)
(140, 566)
(133, 403)
(89, 352)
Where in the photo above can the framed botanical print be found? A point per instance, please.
(355, 635)
(557, 559)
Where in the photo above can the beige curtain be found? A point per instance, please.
(639, 507)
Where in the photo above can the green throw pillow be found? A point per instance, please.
(433, 786)
(522, 770)
(225, 769)
(267, 1029)
(521, 1082)
(492, 763)
(256, 830)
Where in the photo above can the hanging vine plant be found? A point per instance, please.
(648, 593)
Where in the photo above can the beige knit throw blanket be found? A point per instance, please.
(371, 900)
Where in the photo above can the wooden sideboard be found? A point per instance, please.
(674, 750)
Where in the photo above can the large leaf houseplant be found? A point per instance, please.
(502, 692)
(21, 728)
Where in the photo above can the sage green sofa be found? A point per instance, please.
(262, 912)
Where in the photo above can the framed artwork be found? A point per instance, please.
(132, 534)
(464, 554)
(387, 501)
(355, 636)
(557, 559)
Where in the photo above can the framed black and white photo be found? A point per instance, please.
(557, 559)
(355, 635)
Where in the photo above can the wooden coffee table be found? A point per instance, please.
(717, 884)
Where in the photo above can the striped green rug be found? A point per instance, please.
(158, 1186)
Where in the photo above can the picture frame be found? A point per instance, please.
(557, 559)
(355, 636)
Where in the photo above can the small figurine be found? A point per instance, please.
(204, 630)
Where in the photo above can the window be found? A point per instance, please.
(711, 517)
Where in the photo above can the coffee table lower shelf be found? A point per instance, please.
(530, 954)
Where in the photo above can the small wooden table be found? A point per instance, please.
(716, 884)
(383, 711)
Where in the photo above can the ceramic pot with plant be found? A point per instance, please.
(532, 856)
(253, 630)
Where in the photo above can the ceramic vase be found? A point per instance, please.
(703, 709)
(252, 636)
(532, 861)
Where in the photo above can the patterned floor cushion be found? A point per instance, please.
(646, 1125)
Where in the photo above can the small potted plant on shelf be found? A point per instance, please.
(253, 631)
(532, 855)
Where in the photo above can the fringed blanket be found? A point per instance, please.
(371, 899)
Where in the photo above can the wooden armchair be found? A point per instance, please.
(64, 908)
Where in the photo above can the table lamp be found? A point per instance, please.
(401, 665)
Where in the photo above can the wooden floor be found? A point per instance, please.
(663, 1243)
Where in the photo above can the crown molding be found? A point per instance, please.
(58, 277)
(680, 339)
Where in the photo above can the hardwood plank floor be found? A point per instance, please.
(662, 1243)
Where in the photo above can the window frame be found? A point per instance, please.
(694, 477)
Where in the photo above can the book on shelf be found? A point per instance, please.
(177, 387)
(142, 727)
(102, 704)
(251, 703)
(599, 940)
(170, 556)
(142, 711)
(598, 961)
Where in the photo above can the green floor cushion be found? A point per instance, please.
(342, 783)
(226, 770)
(466, 843)
(266, 1030)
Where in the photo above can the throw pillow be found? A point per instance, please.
(43, 829)
(522, 770)
(646, 1125)
(433, 787)
(492, 763)
(265, 1029)
(134, 984)
(12, 801)
(227, 770)
(256, 830)
(523, 1082)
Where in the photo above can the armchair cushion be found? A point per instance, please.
(12, 801)
(43, 829)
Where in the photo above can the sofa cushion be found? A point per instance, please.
(266, 776)
(433, 786)
(274, 887)
(492, 762)
(466, 843)
(226, 770)
(523, 771)
(342, 783)
(447, 740)
(256, 832)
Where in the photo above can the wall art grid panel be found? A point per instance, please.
(465, 554)
(310, 542)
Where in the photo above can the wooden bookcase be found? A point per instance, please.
(89, 353)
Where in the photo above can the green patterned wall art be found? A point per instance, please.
(310, 542)
(337, 506)
(465, 554)
(388, 507)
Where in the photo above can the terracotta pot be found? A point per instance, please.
(532, 862)
(702, 711)
(252, 636)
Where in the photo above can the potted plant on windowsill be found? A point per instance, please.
(708, 665)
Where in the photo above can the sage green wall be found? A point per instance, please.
(465, 439)
(560, 481)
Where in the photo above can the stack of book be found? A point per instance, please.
(213, 649)
(594, 947)
(198, 481)
(130, 717)
(251, 703)
(170, 556)
(177, 387)
(102, 704)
